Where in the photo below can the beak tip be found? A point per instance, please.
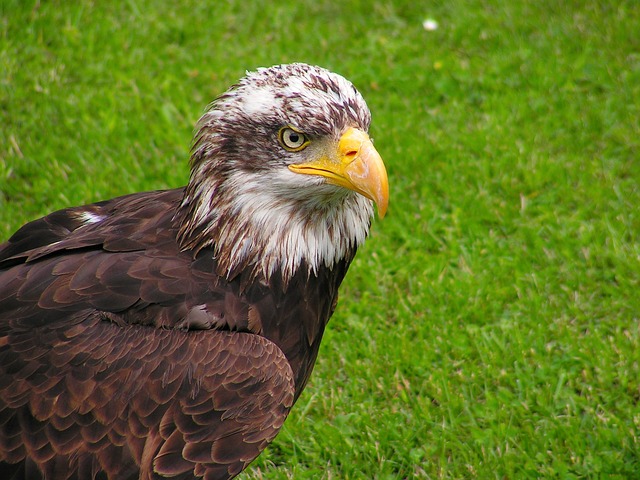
(382, 209)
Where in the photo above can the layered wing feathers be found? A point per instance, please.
(186, 401)
(122, 355)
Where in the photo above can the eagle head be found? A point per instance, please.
(283, 174)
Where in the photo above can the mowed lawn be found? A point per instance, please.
(490, 326)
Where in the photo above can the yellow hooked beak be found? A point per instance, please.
(356, 165)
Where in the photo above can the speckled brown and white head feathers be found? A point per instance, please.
(312, 99)
(244, 201)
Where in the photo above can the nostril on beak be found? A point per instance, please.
(351, 155)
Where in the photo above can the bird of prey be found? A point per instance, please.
(167, 334)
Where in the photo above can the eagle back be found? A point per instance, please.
(120, 259)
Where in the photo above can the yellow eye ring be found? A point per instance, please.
(292, 140)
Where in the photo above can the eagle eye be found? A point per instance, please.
(292, 140)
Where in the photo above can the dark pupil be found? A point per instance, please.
(294, 137)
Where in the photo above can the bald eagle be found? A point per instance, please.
(167, 334)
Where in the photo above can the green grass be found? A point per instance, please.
(490, 326)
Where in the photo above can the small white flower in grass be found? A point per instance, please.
(429, 24)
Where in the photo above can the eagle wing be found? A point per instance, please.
(120, 354)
